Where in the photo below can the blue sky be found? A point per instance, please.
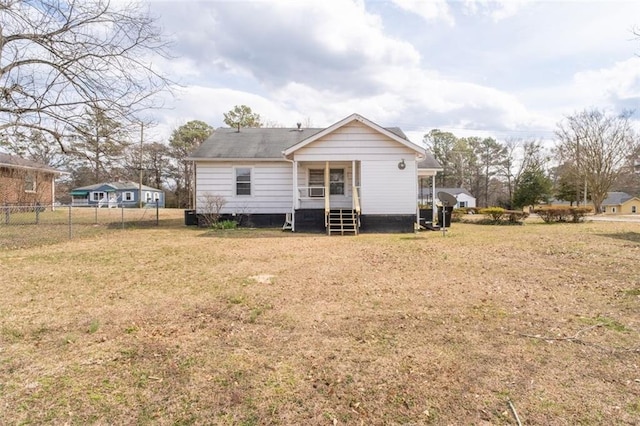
(508, 69)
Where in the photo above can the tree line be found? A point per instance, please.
(594, 151)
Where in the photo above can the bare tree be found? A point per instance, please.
(60, 57)
(210, 208)
(600, 146)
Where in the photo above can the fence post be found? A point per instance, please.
(7, 215)
(95, 213)
(122, 213)
(157, 212)
(70, 232)
(37, 208)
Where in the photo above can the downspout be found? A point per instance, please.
(294, 177)
(194, 187)
(433, 199)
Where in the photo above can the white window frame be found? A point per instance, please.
(634, 209)
(148, 196)
(314, 186)
(236, 181)
(29, 183)
(335, 182)
(128, 196)
(98, 195)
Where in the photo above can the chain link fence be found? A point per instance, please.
(26, 226)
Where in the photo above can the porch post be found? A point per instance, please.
(327, 191)
(294, 203)
(434, 212)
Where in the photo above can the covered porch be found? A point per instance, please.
(327, 193)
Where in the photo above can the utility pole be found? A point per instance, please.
(578, 171)
(140, 166)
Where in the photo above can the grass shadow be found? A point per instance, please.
(627, 236)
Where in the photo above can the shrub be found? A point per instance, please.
(456, 214)
(495, 213)
(225, 224)
(516, 216)
(562, 214)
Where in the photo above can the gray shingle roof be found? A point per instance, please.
(122, 186)
(256, 143)
(429, 162)
(452, 191)
(616, 198)
(14, 161)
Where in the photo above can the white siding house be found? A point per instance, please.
(348, 177)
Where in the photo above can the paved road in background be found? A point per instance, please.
(611, 218)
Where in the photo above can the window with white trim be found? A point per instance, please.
(97, 196)
(243, 180)
(316, 181)
(30, 183)
(147, 197)
(127, 196)
(336, 181)
(633, 209)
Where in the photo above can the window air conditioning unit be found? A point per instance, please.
(316, 192)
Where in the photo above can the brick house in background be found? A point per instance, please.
(24, 182)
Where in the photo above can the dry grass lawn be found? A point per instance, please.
(185, 326)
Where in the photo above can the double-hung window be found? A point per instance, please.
(30, 183)
(127, 196)
(97, 196)
(243, 181)
(316, 182)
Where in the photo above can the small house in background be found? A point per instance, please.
(25, 183)
(620, 203)
(116, 194)
(464, 197)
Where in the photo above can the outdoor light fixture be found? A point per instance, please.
(402, 164)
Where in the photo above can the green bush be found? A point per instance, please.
(495, 213)
(225, 224)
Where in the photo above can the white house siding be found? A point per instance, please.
(388, 190)
(464, 198)
(385, 189)
(271, 186)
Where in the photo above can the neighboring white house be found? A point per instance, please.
(351, 176)
(464, 197)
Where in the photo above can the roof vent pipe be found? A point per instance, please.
(299, 126)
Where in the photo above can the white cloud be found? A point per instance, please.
(431, 10)
(496, 9)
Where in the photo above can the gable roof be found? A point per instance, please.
(15, 162)
(453, 191)
(259, 143)
(116, 186)
(616, 198)
(250, 143)
(397, 135)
